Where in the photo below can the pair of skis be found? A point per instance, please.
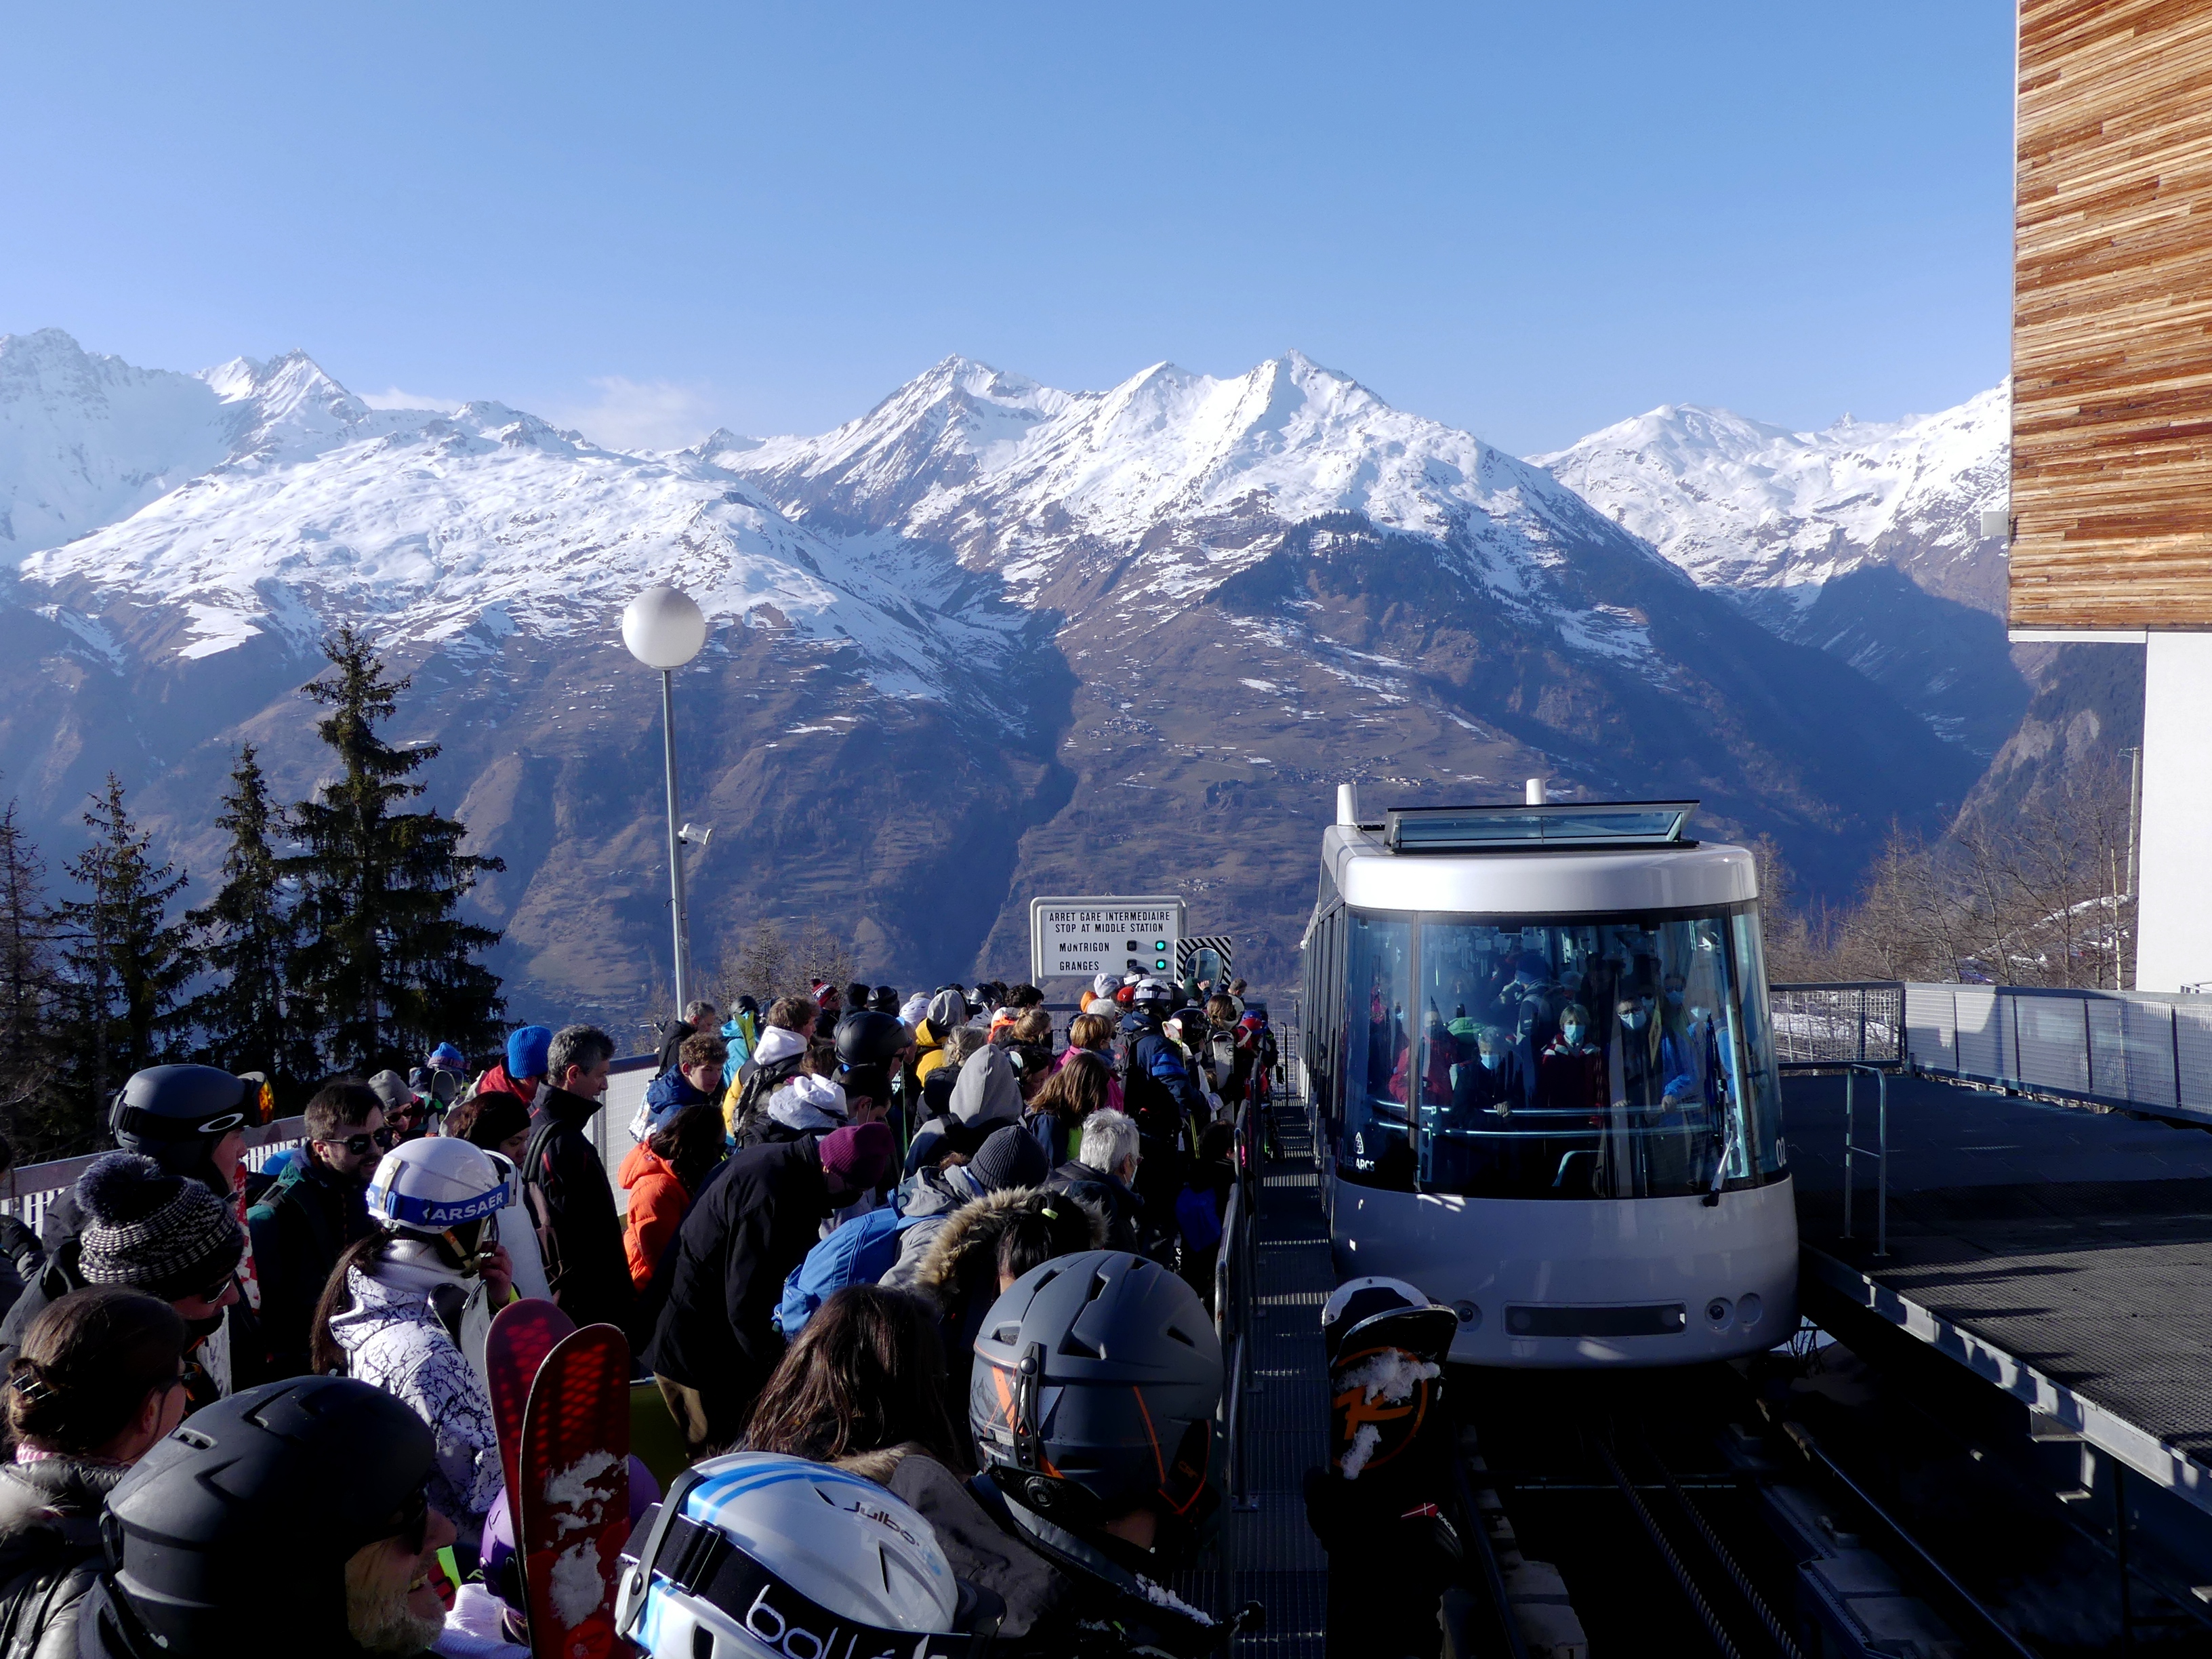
(560, 1399)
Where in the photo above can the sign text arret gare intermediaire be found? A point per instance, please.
(1077, 938)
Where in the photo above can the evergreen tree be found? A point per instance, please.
(27, 1053)
(126, 965)
(245, 937)
(383, 953)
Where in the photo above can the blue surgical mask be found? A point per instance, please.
(1633, 1021)
(1490, 1057)
(1573, 1033)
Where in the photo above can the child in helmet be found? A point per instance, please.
(393, 1305)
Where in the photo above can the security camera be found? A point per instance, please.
(696, 835)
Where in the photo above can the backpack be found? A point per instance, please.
(1200, 1221)
(1221, 1060)
(539, 1203)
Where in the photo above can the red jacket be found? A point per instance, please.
(658, 1201)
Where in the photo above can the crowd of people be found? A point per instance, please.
(936, 1247)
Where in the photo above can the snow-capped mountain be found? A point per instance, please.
(1743, 505)
(987, 639)
(1863, 539)
(1162, 476)
(461, 529)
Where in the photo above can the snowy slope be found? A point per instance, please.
(491, 521)
(1166, 475)
(86, 439)
(1743, 505)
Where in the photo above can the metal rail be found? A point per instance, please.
(1803, 1437)
(1695, 1596)
(1488, 1576)
(1879, 1152)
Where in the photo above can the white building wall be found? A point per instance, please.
(2174, 907)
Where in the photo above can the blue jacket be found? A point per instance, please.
(1159, 1088)
(738, 1030)
(860, 1252)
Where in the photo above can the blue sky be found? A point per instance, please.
(1527, 221)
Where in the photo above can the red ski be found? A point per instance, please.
(522, 1334)
(573, 1514)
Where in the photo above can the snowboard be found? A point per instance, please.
(1385, 1383)
(522, 1335)
(573, 1517)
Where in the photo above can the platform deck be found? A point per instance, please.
(2065, 1254)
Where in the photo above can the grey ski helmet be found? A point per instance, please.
(244, 1518)
(1094, 1387)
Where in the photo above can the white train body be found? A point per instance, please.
(1542, 1073)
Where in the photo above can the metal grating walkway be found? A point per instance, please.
(1272, 1557)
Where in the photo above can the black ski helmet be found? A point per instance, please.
(869, 1038)
(244, 1518)
(1094, 1387)
(175, 1115)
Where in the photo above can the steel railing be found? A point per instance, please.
(2139, 1050)
(1841, 1023)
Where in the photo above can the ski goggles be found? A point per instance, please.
(668, 1549)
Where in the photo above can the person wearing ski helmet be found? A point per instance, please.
(869, 1045)
(1091, 1403)
(398, 1299)
(759, 1556)
(1379, 1506)
(297, 1507)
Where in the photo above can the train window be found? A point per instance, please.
(1606, 1057)
(1374, 1139)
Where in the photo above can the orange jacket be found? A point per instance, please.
(657, 1204)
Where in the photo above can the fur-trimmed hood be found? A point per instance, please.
(978, 1225)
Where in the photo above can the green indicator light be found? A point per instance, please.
(1162, 963)
(1159, 944)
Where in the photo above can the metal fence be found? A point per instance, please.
(2141, 1050)
(2146, 1051)
(30, 1190)
(1857, 1022)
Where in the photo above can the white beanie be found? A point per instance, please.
(1104, 985)
(915, 1009)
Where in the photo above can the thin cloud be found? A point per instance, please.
(641, 414)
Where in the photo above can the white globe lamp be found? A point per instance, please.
(663, 628)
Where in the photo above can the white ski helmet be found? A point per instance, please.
(758, 1556)
(432, 1186)
(1358, 1302)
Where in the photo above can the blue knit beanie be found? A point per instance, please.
(526, 1046)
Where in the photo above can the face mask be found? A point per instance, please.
(1489, 1059)
(1673, 999)
(1573, 1033)
(1634, 1022)
(1699, 1012)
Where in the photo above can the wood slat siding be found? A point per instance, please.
(2112, 450)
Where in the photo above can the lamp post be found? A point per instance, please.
(663, 629)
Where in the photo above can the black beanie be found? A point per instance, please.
(1011, 1157)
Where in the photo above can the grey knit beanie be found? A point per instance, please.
(165, 1235)
(1011, 1157)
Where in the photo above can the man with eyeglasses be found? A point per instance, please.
(304, 1223)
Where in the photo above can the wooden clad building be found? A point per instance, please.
(2112, 458)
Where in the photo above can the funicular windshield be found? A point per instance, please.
(1608, 1057)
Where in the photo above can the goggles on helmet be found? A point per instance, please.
(701, 1561)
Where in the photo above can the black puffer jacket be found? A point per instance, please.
(49, 1551)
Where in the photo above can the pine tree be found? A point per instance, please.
(28, 1053)
(245, 937)
(383, 954)
(126, 965)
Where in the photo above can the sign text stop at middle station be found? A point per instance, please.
(1078, 941)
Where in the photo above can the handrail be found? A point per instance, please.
(32, 1186)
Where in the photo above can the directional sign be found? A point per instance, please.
(1077, 938)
